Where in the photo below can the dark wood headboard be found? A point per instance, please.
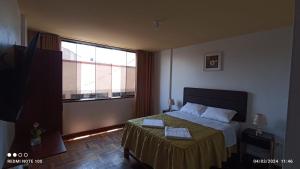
(234, 100)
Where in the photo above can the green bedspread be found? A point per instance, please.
(149, 145)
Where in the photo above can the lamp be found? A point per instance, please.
(170, 103)
(259, 121)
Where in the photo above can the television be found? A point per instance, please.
(14, 82)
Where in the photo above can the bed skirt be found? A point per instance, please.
(150, 146)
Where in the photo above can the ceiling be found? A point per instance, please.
(129, 23)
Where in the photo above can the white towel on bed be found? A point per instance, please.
(229, 130)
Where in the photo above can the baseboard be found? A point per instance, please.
(84, 133)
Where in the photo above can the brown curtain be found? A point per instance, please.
(47, 40)
(143, 88)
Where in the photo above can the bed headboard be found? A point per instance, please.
(234, 100)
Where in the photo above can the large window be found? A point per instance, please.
(95, 72)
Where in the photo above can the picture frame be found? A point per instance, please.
(213, 61)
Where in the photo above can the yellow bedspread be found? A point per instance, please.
(206, 149)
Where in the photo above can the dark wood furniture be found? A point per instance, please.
(43, 101)
(265, 141)
(233, 100)
(42, 104)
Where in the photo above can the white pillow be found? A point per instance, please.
(193, 108)
(219, 114)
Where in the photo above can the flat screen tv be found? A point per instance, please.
(14, 82)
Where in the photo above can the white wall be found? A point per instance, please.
(161, 81)
(292, 150)
(258, 63)
(9, 35)
(89, 115)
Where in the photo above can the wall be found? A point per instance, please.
(292, 150)
(9, 35)
(89, 115)
(161, 81)
(258, 63)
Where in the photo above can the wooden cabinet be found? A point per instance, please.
(43, 100)
(43, 104)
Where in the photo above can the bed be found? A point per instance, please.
(211, 144)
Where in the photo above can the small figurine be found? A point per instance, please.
(36, 133)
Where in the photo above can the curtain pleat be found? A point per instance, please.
(143, 88)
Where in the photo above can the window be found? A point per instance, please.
(96, 72)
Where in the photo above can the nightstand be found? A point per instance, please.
(265, 141)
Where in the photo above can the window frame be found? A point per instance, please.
(97, 45)
(100, 46)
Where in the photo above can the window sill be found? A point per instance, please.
(93, 99)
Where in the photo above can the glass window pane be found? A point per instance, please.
(90, 71)
(68, 51)
(86, 53)
(117, 57)
(130, 80)
(86, 76)
(69, 79)
(118, 80)
(131, 59)
(103, 55)
(103, 81)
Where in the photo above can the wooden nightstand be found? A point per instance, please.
(265, 141)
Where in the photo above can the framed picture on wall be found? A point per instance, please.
(213, 61)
